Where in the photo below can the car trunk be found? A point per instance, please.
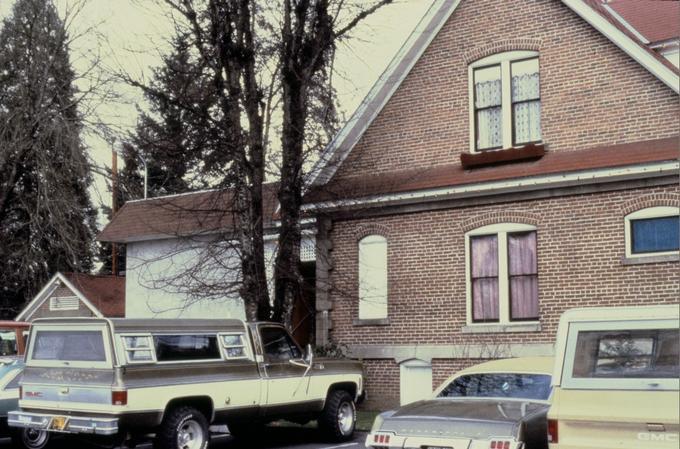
(462, 418)
(642, 419)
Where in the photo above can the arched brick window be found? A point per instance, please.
(501, 274)
(652, 231)
(505, 101)
(372, 277)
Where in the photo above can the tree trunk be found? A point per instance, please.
(287, 269)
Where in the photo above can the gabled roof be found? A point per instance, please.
(189, 214)
(591, 11)
(655, 20)
(103, 295)
(106, 293)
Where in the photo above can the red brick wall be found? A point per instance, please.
(592, 92)
(580, 251)
(580, 247)
(382, 384)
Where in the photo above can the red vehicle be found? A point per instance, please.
(13, 336)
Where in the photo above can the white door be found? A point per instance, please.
(415, 381)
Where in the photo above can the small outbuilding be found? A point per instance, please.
(78, 295)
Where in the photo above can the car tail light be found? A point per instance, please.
(21, 392)
(499, 444)
(380, 439)
(119, 397)
(552, 431)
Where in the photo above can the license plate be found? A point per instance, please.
(59, 423)
(25, 419)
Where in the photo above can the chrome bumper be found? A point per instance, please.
(74, 424)
(373, 441)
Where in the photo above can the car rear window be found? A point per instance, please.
(499, 385)
(78, 346)
(641, 353)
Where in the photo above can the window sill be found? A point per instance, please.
(371, 322)
(530, 151)
(501, 328)
(650, 259)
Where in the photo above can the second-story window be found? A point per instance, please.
(506, 101)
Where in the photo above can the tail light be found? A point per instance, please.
(552, 431)
(21, 392)
(499, 444)
(119, 397)
(380, 440)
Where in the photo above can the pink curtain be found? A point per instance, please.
(523, 271)
(484, 263)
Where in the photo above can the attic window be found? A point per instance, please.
(59, 303)
(505, 101)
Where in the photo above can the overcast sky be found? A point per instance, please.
(131, 31)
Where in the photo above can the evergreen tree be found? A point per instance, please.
(179, 144)
(47, 221)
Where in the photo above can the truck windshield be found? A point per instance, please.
(80, 346)
(499, 385)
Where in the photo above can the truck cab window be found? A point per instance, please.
(278, 345)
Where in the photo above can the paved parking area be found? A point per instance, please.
(271, 438)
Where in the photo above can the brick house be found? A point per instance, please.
(516, 159)
(77, 295)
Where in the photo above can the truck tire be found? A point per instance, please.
(30, 438)
(183, 428)
(339, 416)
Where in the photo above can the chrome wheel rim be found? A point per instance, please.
(34, 438)
(346, 418)
(190, 435)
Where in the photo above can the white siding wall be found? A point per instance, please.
(152, 264)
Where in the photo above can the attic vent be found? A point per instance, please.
(64, 303)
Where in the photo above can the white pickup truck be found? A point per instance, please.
(615, 384)
(125, 378)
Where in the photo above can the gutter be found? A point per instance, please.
(530, 183)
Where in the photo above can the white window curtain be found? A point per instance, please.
(526, 103)
(488, 100)
(373, 277)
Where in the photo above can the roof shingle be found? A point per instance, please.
(187, 214)
(106, 293)
(454, 174)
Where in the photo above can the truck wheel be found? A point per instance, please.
(30, 438)
(183, 428)
(339, 416)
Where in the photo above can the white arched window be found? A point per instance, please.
(505, 101)
(501, 274)
(652, 232)
(373, 277)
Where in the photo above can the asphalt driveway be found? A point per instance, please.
(271, 438)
